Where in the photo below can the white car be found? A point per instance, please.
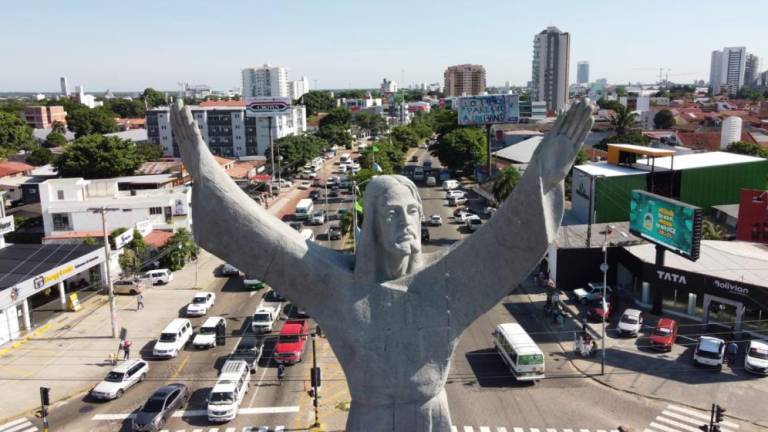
(756, 358)
(435, 220)
(159, 276)
(455, 193)
(431, 181)
(594, 291)
(631, 322)
(709, 352)
(473, 223)
(206, 336)
(463, 217)
(318, 218)
(201, 303)
(120, 379)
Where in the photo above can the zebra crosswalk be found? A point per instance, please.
(521, 429)
(230, 429)
(18, 425)
(676, 418)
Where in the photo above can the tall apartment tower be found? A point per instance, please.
(582, 72)
(298, 88)
(551, 57)
(726, 71)
(64, 86)
(464, 80)
(751, 70)
(265, 81)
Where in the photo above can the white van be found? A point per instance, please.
(206, 335)
(229, 391)
(159, 276)
(710, 352)
(304, 209)
(173, 338)
(450, 184)
(521, 354)
(418, 174)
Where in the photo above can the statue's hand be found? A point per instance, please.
(187, 134)
(558, 150)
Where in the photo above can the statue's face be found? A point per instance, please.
(398, 223)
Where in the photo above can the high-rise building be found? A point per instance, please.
(551, 57)
(464, 80)
(265, 81)
(582, 72)
(726, 71)
(42, 117)
(388, 86)
(298, 88)
(64, 86)
(751, 70)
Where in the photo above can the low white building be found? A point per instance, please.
(66, 204)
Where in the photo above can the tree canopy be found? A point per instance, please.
(632, 137)
(389, 156)
(153, 98)
(297, 150)
(317, 101)
(373, 123)
(40, 156)
(337, 116)
(55, 139)
(336, 135)
(664, 119)
(125, 108)
(608, 104)
(746, 148)
(622, 120)
(58, 127)
(149, 151)
(462, 149)
(14, 133)
(179, 247)
(85, 121)
(504, 183)
(405, 137)
(97, 156)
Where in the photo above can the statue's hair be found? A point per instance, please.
(366, 254)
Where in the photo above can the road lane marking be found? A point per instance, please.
(203, 413)
(469, 429)
(501, 429)
(663, 428)
(13, 423)
(555, 430)
(269, 410)
(678, 424)
(702, 416)
(454, 429)
(485, 429)
(112, 416)
(534, 430)
(230, 429)
(517, 429)
(179, 369)
(19, 427)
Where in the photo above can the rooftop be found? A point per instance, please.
(10, 168)
(701, 160)
(521, 152)
(607, 170)
(20, 262)
(135, 135)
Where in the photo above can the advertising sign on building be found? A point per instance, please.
(752, 225)
(669, 223)
(123, 239)
(266, 107)
(483, 110)
(6, 225)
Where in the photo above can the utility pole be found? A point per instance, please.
(111, 291)
(272, 157)
(315, 381)
(45, 400)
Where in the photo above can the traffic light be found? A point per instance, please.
(719, 411)
(315, 376)
(704, 428)
(715, 428)
(45, 398)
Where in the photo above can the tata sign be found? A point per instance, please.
(266, 107)
(669, 223)
(6, 225)
(483, 110)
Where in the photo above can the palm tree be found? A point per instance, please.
(711, 231)
(622, 120)
(505, 182)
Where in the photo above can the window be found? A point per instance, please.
(61, 222)
(60, 195)
(155, 210)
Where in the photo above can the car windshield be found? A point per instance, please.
(531, 359)
(261, 317)
(114, 377)
(289, 338)
(628, 320)
(207, 330)
(153, 405)
(222, 398)
(758, 353)
(662, 331)
(709, 354)
(167, 337)
(199, 300)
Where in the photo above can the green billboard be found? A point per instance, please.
(669, 223)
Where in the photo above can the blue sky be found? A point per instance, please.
(131, 45)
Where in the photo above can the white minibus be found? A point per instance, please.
(521, 354)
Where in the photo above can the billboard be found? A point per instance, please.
(483, 110)
(669, 223)
(266, 107)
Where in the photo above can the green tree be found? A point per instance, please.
(711, 231)
(130, 262)
(444, 120)
(405, 137)
(747, 148)
(153, 98)
(14, 132)
(40, 156)
(389, 156)
(55, 139)
(125, 108)
(149, 151)
(633, 137)
(423, 125)
(664, 119)
(317, 101)
(179, 248)
(335, 135)
(608, 104)
(85, 121)
(96, 156)
(462, 149)
(297, 150)
(58, 127)
(622, 120)
(504, 183)
(337, 116)
(373, 123)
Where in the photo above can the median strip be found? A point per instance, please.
(203, 413)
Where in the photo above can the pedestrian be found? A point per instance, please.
(318, 330)
(561, 320)
(733, 351)
(126, 349)
(280, 372)
(140, 302)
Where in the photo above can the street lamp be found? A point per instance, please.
(110, 287)
(604, 268)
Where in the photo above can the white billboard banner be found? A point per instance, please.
(266, 107)
(483, 110)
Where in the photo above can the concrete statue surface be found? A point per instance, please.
(393, 315)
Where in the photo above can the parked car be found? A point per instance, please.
(664, 335)
(334, 192)
(459, 200)
(307, 234)
(435, 220)
(318, 218)
(314, 195)
(424, 234)
(120, 379)
(463, 217)
(756, 358)
(450, 184)
(160, 406)
(304, 185)
(212, 328)
(334, 232)
(709, 352)
(228, 270)
(431, 181)
(273, 296)
(593, 291)
(473, 223)
(290, 343)
(454, 193)
(458, 211)
(597, 312)
(489, 210)
(201, 303)
(158, 276)
(630, 323)
(128, 286)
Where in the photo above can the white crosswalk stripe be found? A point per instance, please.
(18, 425)
(278, 428)
(676, 418)
(525, 429)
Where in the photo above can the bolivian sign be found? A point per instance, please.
(266, 107)
(480, 110)
(670, 223)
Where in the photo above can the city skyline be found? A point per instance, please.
(157, 51)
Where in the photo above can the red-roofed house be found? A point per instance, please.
(708, 141)
(14, 169)
(157, 238)
(223, 103)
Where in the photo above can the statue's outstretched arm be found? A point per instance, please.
(491, 262)
(228, 223)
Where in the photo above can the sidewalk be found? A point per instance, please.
(671, 377)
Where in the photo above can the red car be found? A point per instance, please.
(290, 344)
(596, 311)
(663, 337)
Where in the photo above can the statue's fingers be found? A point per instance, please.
(572, 129)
